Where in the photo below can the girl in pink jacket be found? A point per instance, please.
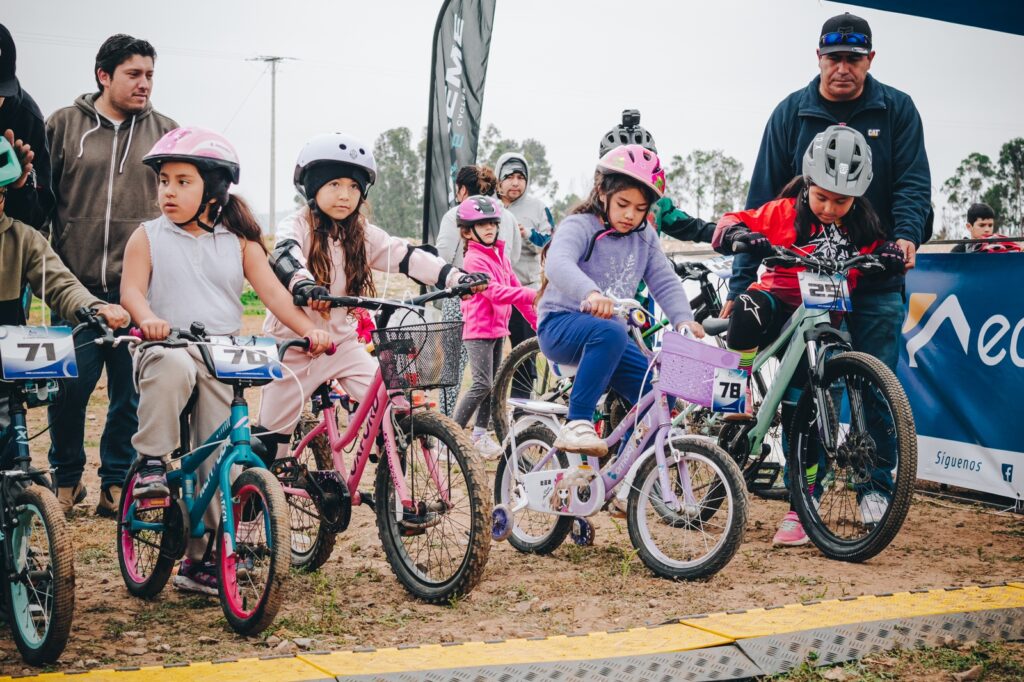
(486, 315)
(328, 248)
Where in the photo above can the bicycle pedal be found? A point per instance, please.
(143, 503)
(286, 469)
(766, 475)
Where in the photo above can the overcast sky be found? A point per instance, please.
(704, 74)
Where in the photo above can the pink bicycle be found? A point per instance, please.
(431, 498)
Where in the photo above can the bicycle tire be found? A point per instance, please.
(309, 556)
(414, 571)
(728, 480)
(255, 493)
(501, 389)
(872, 371)
(56, 562)
(147, 557)
(523, 541)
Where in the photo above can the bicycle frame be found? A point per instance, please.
(236, 452)
(377, 414)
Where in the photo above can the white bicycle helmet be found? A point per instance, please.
(334, 148)
(839, 160)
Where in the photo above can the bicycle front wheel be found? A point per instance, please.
(437, 548)
(41, 593)
(852, 499)
(698, 540)
(252, 574)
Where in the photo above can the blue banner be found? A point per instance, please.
(962, 365)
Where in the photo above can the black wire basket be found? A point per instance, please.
(420, 355)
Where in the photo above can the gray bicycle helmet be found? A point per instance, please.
(333, 149)
(839, 160)
(627, 132)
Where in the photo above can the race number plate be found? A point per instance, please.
(245, 357)
(822, 292)
(730, 391)
(37, 353)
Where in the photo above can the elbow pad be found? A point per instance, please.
(403, 267)
(285, 265)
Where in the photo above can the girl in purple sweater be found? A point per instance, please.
(601, 252)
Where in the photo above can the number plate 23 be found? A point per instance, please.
(37, 353)
(245, 357)
(821, 292)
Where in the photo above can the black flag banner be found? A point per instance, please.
(462, 40)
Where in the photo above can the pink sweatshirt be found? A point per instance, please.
(486, 314)
(383, 252)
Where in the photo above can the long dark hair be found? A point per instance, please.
(351, 232)
(860, 222)
(237, 218)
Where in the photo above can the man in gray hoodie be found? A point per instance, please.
(535, 225)
(103, 193)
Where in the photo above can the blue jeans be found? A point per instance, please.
(605, 356)
(875, 326)
(67, 417)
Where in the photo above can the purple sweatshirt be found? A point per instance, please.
(615, 266)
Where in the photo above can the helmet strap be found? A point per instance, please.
(197, 218)
(481, 239)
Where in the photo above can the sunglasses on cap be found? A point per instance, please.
(844, 38)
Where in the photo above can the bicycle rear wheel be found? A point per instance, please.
(41, 594)
(852, 500)
(700, 539)
(534, 532)
(252, 573)
(437, 549)
(311, 542)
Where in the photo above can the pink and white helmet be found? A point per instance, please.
(204, 148)
(478, 209)
(636, 162)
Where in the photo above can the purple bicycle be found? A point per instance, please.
(686, 504)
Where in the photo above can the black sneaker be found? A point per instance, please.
(151, 480)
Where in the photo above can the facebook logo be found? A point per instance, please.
(1008, 473)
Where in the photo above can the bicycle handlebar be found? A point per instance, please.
(786, 256)
(197, 334)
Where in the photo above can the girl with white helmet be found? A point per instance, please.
(189, 265)
(329, 248)
(823, 211)
(599, 252)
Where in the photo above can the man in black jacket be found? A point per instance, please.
(30, 199)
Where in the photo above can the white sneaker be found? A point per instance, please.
(488, 447)
(873, 507)
(579, 436)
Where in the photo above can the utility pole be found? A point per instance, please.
(273, 62)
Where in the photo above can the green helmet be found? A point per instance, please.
(10, 169)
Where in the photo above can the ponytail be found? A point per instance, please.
(237, 218)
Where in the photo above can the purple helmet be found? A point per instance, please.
(478, 209)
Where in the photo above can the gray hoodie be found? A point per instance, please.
(532, 215)
(103, 189)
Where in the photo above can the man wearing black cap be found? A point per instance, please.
(844, 93)
(30, 199)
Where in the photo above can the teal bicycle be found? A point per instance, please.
(251, 543)
(852, 444)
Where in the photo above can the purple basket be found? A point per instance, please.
(688, 367)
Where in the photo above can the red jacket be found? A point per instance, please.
(777, 221)
(486, 314)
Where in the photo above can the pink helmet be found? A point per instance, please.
(636, 162)
(478, 209)
(204, 148)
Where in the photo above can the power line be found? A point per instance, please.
(259, 79)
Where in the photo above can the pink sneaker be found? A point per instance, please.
(791, 532)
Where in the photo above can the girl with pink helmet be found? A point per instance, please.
(487, 315)
(189, 265)
(599, 252)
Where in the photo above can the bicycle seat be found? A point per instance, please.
(538, 406)
(715, 326)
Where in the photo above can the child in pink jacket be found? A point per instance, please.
(486, 315)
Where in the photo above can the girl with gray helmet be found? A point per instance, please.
(329, 248)
(821, 211)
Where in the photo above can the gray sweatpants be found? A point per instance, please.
(484, 358)
(165, 378)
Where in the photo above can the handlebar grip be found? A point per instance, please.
(136, 332)
(305, 343)
(740, 247)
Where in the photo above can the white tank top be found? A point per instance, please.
(195, 279)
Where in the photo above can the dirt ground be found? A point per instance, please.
(355, 601)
